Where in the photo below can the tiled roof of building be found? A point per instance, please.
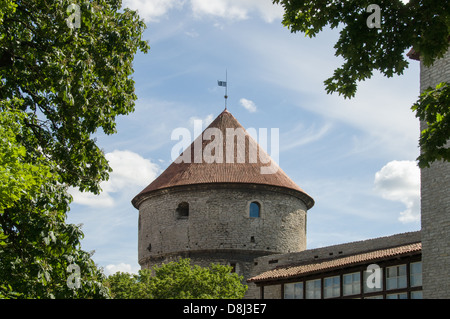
(284, 272)
(413, 54)
(241, 168)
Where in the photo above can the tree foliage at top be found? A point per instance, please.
(59, 84)
(72, 81)
(420, 24)
(36, 245)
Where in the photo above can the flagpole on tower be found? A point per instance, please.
(225, 84)
(226, 88)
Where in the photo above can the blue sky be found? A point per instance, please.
(355, 157)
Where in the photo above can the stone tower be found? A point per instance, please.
(435, 201)
(225, 211)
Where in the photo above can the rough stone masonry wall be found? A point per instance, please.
(219, 228)
(435, 204)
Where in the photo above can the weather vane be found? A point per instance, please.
(224, 83)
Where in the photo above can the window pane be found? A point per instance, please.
(416, 267)
(373, 280)
(396, 277)
(254, 209)
(401, 282)
(298, 290)
(293, 290)
(402, 270)
(391, 283)
(416, 274)
(331, 287)
(392, 272)
(313, 289)
(416, 295)
(374, 297)
(397, 296)
(351, 284)
(288, 291)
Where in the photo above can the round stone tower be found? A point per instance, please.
(219, 203)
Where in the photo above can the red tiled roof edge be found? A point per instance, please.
(284, 272)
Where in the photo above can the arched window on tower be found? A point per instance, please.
(183, 210)
(255, 209)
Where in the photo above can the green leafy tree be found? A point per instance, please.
(178, 280)
(433, 107)
(20, 178)
(420, 24)
(36, 245)
(123, 285)
(72, 80)
(60, 82)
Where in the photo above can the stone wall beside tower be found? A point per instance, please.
(435, 203)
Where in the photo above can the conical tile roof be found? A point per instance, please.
(235, 165)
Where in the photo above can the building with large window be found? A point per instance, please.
(382, 268)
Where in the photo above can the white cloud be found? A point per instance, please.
(301, 136)
(89, 199)
(248, 105)
(205, 121)
(268, 11)
(192, 34)
(400, 181)
(152, 10)
(122, 267)
(129, 169)
(130, 172)
(220, 8)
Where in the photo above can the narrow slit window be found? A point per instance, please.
(255, 209)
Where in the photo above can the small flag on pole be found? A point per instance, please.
(224, 84)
